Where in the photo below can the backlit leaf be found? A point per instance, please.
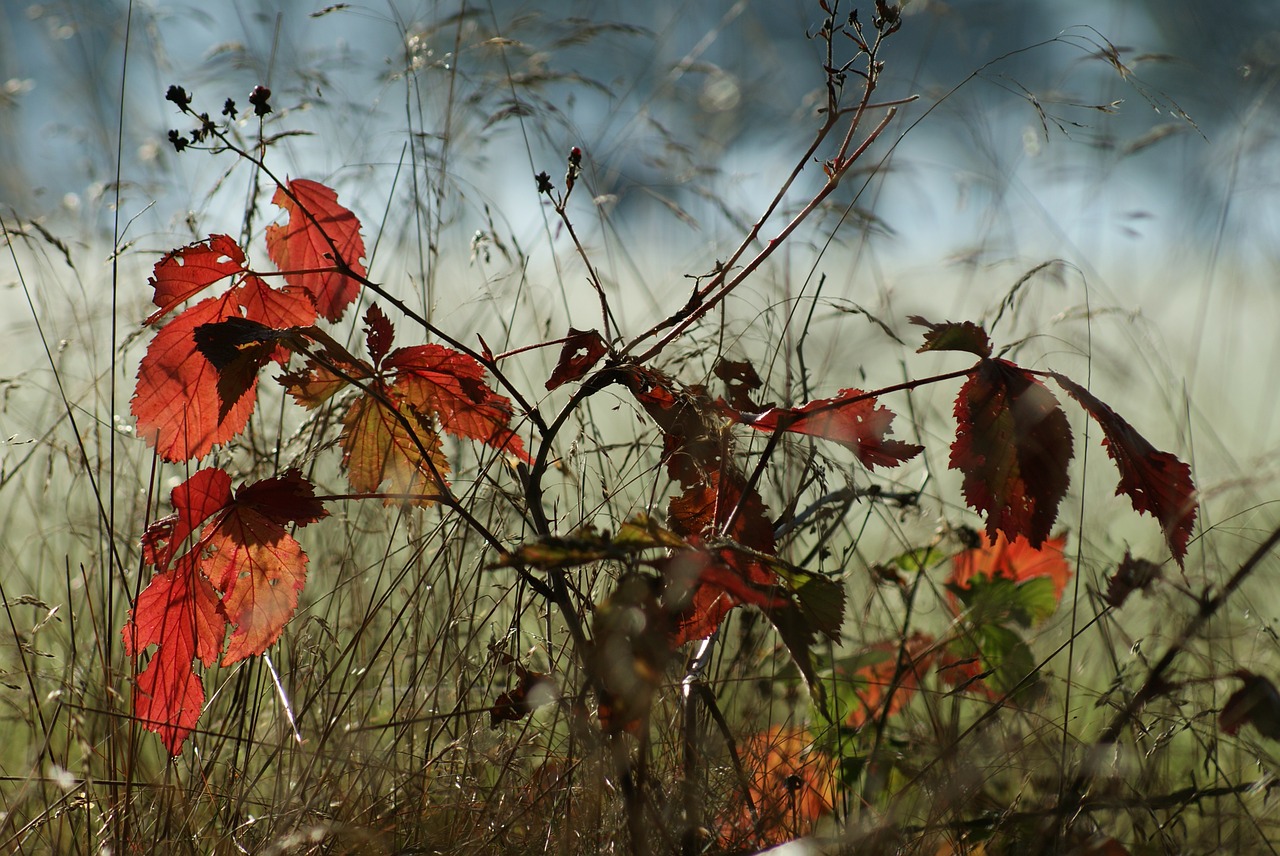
(1014, 560)
(303, 249)
(954, 336)
(1013, 444)
(177, 401)
(379, 448)
(791, 786)
(450, 385)
(186, 272)
(886, 671)
(256, 563)
(180, 612)
(582, 350)
(244, 554)
(1156, 482)
(851, 419)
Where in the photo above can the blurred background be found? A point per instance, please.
(1111, 165)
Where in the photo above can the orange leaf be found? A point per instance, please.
(1013, 444)
(883, 680)
(790, 783)
(256, 563)
(304, 249)
(379, 448)
(449, 384)
(1014, 560)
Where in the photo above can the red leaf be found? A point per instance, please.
(256, 563)
(1013, 444)
(1157, 483)
(449, 384)
(379, 333)
(582, 350)
(850, 419)
(197, 499)
(304, 249)
(176, 400)
(251, 559)
(180, 612)
(186, 272)
(953, 336)
(1014, 560)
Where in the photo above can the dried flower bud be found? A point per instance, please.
(178, 96)
(260, 98)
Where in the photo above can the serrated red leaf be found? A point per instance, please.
(185, 272)
(582, 350)
(194, 501)
(851, 419)
(304, 248)
(1013, 444)
(379, 333)
(244, 553)
(177, 401)
(1156, 482)
(1014, 560)
(178, 611)
(447, 384)
(953, 336)
(256, 564)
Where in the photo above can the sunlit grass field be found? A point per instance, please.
(369, 727)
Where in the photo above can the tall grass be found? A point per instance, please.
(368, 727)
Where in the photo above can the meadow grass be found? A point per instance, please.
(368, 726)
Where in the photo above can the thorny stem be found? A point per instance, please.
(711, 300)
(720, 285)
(592, 276)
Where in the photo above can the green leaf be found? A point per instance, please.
(1005, 651)
(999, 601)
(919, 559)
